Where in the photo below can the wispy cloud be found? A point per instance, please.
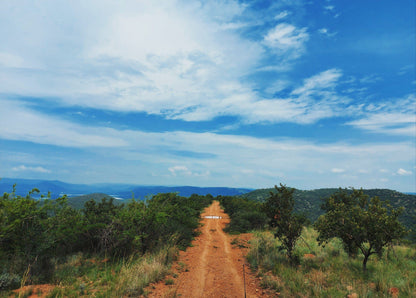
(287, 39)
(233, 64)
(324, 80)
(395, 118)
(225, 158)
(403, 172)
(30, 169)
(406, 69)
(19, 122)
(222, 157)
(370, 79)
(282, 15)
(326, 32)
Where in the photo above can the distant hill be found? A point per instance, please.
(123, 191)
(78, 202)
(185, 191)
(309, 201)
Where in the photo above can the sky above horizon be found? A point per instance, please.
(310, 94)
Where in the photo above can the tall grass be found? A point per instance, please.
(80, 276)
(135, 275)
(329, 272)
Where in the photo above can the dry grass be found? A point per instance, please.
(135, 275)
(329, 272)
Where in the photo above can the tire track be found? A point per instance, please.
(213, 267)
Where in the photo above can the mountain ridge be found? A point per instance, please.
(124, 191)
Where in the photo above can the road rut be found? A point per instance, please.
(214, 267)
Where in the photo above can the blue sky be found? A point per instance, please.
(210, 93)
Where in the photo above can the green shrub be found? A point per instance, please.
(9, 281)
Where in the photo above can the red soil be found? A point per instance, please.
(36, 290)
(212, 266)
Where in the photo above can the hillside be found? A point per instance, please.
(124, 191)
(309, 201)
(78, 202)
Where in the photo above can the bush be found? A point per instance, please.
(245, 215)
(244, 221)
(9, 281)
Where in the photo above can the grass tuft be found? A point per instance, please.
(135, 275)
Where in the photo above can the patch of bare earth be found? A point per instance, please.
(35, 290)
(213, 265)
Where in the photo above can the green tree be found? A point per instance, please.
(65, 227)
(363, 224)
(100, 224)
(279, 209)
(24, 234)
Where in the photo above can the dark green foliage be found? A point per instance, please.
(279, 209)
(245, 215)
(309, 202)
(9, 281)
(364, 225)
(100, 224)
(24, 238)
(32, 231)
(78, 202)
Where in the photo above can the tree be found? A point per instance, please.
(279, 209)
(25, 241)
(100, 226)
(363, 224)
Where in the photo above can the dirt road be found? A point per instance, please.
(212, 266)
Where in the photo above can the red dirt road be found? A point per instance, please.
(212, 267)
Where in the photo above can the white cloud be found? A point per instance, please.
(337, 170)
(18, 122)
(178, 61)
(189, 61)
(213, 159)
(406, 69)
(403, 172)
(282, 15)
(326, 32)
(395, 117)
(30, 169)
(287, 39)
(387, 123)
(176, 171)
(179, 169)
(373, 78)
(323, 80)
(181, 65)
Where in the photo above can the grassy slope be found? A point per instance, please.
(329, 272)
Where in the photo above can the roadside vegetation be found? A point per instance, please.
(329, 271)
(355, 247)
(103, 248)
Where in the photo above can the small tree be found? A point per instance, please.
(363, 224)
(279, 208)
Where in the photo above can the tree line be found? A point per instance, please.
(365, 225)
(33, 233)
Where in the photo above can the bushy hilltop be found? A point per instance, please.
(78, 202)
(309, 201)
